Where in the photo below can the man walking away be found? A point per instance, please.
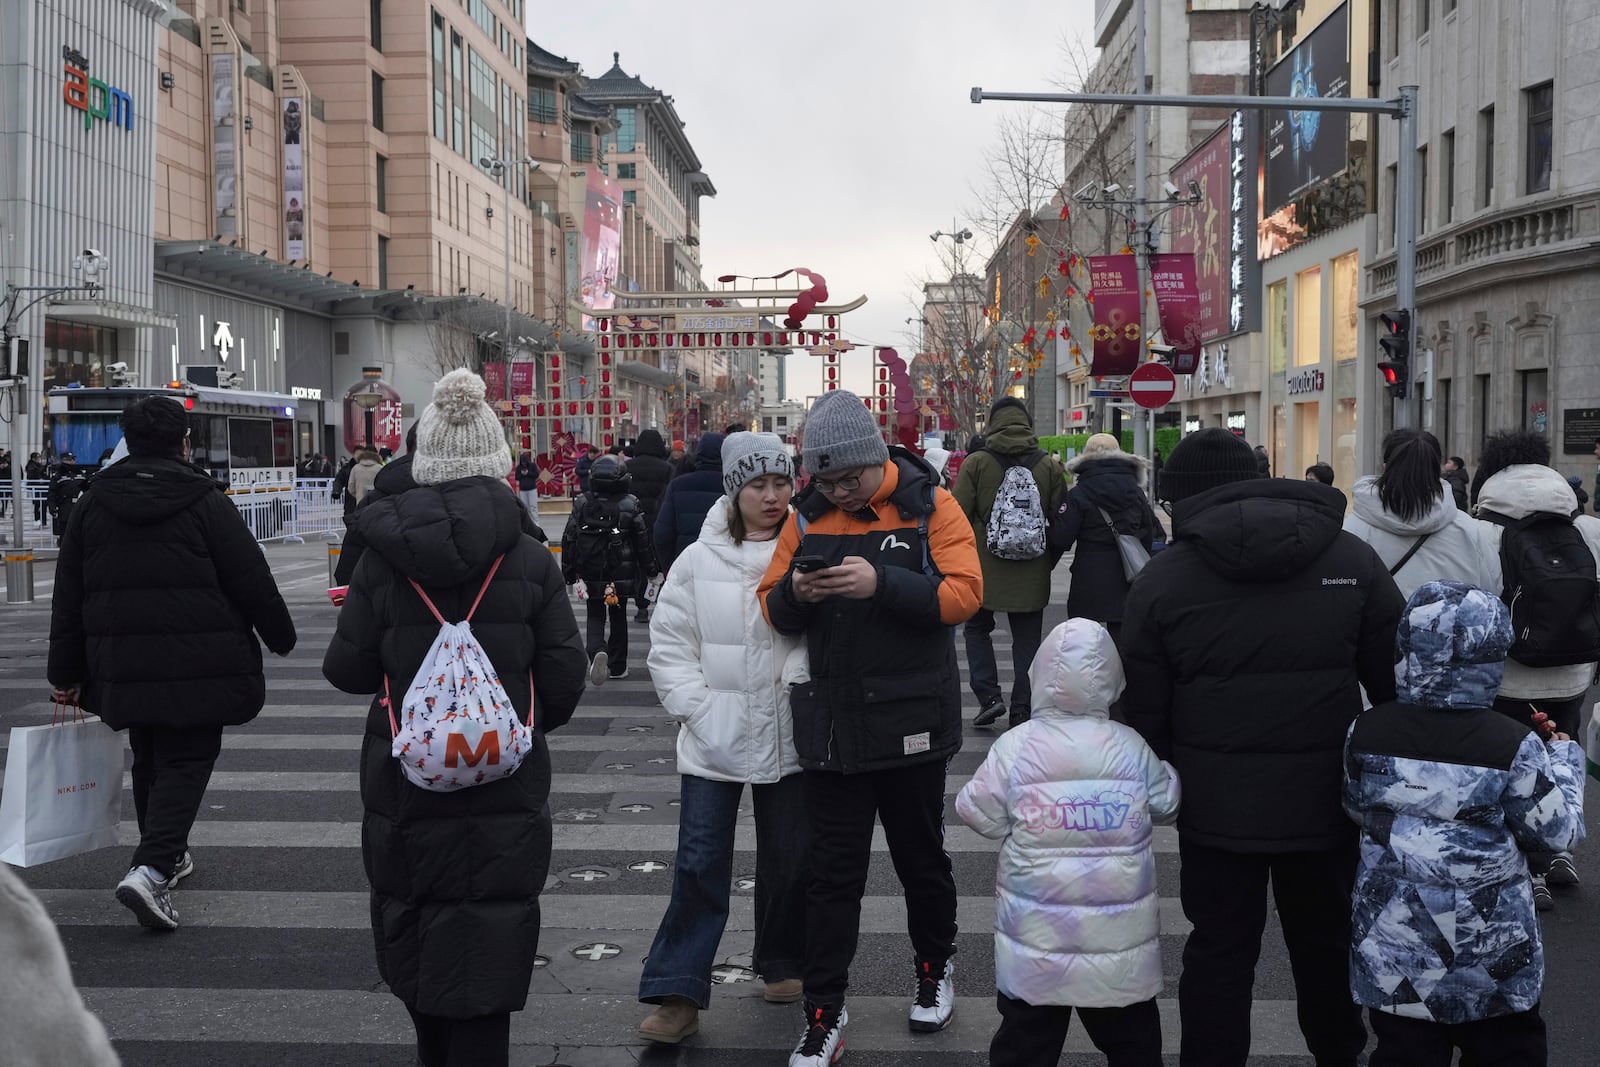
(687, 499)
(1549, 561)
(649, 471)
(606, 546)
(1016, 582)
(1455, 472)
(66, 485)
(1246, 644)
(36, 472)
(876, 569)
(160, 592)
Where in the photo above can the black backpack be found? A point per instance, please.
(1551, 588)
(604, 533)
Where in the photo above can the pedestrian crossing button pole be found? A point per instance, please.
(19, 577)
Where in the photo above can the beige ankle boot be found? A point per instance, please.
(673, 1020)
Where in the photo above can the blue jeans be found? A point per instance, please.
(686, 943)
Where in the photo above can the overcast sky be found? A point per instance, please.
(839, 133)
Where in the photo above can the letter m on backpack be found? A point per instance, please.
(1551, 588)
(457, 750)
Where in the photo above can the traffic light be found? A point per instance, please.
(1396, 344)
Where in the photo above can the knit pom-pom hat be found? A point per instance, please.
(458, 435)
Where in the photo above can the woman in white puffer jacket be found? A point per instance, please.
(723, 673)
(1077, 922)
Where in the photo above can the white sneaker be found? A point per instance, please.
(823, 1042)
(185, 869)
(149, 897)
(597, 669)
(935, 1004)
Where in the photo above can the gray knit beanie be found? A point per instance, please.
(747, 456)
(840, 433)
(458, 435)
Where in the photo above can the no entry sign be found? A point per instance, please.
(1152, 385)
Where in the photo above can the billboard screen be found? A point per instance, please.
(1307, 147)
(602, 243)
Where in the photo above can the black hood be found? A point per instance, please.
(1260, 530)
(443, 534)
(144, 490)
(708, 453)
(395, 478)
(650, 444)
(1114, 481)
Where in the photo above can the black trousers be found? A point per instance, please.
(1033, 1035)
(615, 646)
(481, 1042)
(842, 809)
(170, 771)
(1504, 1041)
(1566, 714)
(1027, 630)
(1224, 895)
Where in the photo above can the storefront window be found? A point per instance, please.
(77, 354)
(1344, 444)
(1308, 317)
(1277, 327)
(1279, 448)
(1346, 312)
(1535, 400)
(1307, 431)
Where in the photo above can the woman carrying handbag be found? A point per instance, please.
(1106, 503)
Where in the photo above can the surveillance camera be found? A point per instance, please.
(1111, 190)
(1086, 193)
(92, 253)
(1194, 189)
(1171, 190)
(933, 236)
(119, 365)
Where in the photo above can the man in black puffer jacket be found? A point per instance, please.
(158, 589)
(649, 471)
(1245, 645)
(686, 501)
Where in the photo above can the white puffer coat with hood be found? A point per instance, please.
(1517, 492)
(1455, 550)
(718, 667)
(1074, 795)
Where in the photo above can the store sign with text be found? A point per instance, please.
(1311, 381)
(97, 100)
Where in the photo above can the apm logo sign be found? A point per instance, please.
(93, 97)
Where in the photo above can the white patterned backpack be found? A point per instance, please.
(1016, 528)
(456, 726)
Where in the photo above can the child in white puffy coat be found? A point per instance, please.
(1073, 795)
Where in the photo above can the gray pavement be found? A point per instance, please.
(274, 964)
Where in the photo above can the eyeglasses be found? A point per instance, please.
(841, 485)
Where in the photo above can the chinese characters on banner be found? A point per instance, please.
(1178, 304)
(494, 381)
(522, 381)
(1117, 334)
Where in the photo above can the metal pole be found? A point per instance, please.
(19, 463)
(1354, 106)
(505, 209)
(1141, 181)
(1405, 242)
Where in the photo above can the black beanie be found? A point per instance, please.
(1204, 460)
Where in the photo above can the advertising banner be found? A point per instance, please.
(1178, 305)
(223, 158)
(602, 243)
(1307, 147)
(494, 382)
(522, 379)
(1205, 230)
(294, 180)
(1117, 334)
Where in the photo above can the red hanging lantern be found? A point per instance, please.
(716, 340)
(699, 340)
(555, 392)
(605, 325)
(555, 359)
(605, 340)
(588, 407)
(605, 408)
(605, 390)
(653, 340)
(766, 338)
(538, 409)
(622, 407)
(833, 322)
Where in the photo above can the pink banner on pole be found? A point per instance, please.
(494, 382)
(1117, 335)
(1172, 277)
(521, 380)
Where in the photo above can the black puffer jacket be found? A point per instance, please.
(687, 499)
(392, 480)
(160, 591)
(650, 471)
(1243, 645)
(456, 876)
(1113, 481)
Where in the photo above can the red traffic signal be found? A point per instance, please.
(1395, 341)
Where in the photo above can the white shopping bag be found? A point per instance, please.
(1591, 743)
(63, 791)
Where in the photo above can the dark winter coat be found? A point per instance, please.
(650, 471)
(158, 589)
(687, 499)
(66, 484)
(1458, 480)
(589, 554)
(1009, 585)
(527, 475)
(1245, 645)
(456, 876)
(392, 480)
(581, 471)
(1113, 481)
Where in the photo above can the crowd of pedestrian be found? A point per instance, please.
(1363, 705)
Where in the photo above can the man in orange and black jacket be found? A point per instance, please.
(881, 715)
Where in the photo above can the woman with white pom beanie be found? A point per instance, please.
(456, 877)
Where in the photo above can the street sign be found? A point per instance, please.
(1152, 385)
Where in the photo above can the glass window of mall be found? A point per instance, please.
(1308, 317)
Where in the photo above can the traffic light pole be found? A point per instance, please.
(1402, 108)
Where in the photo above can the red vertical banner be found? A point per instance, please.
(1172, 277)
(522, 380)
(1117, 334)
(494, 381)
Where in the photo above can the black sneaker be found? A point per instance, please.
(991, 711)
(1543, 899)
(823, 1042)
(616, 674)
(1561, 872)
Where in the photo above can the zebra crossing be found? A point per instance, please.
(273, 963)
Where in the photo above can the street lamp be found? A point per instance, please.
(499, 170)
(368, 398)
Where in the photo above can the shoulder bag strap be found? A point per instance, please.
(1412, 551)
(1106, 515)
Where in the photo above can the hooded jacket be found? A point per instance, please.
(719, 668)
(394, 479)
(363, 475)
(1073, 796)
(527, 474)
(1449, 794)
(687, 499)
(456, 877)
(1454, 551)
(1114, 481)
(1458, 480)
(884, 690)
(1246, 644)
(1517, 492)
(160, 592)
(650, 471)
(606, 540)
(1009, 585)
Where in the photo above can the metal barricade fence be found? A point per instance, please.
(316, 512)
(36, 522)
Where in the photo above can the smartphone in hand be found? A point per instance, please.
(807, 564)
